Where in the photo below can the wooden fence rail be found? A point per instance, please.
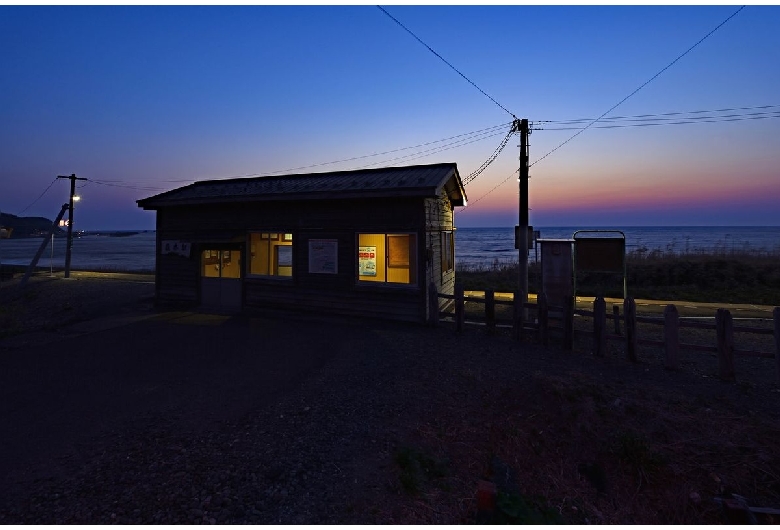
(671, 322)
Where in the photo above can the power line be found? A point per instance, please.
(466, 138)
(471, 137)
(407, 158)
(663, 115)
(474, 174)
(494, 188)
(127, 186)
(640, 87)
(685, 120)
(39, 197)
(678, 121)
(435, 150)
(445, 61)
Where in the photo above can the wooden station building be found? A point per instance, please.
(364, 243)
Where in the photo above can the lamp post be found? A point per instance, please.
(73, 178)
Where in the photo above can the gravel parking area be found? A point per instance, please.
(191, 418)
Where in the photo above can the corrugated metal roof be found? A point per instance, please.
(424, 180)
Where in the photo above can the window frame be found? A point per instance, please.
(447, 251)
(412, 260)
(273, 239)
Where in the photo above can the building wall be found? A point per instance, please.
(439, 219)
(338, 220)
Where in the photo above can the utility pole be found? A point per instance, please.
(522, 237)
(73, 178)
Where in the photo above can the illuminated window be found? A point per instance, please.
(220, 264)
(387, 258)
(270, 254)
(447, 251)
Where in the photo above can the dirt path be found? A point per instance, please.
(175, 418)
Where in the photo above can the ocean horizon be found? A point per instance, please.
(134, 251)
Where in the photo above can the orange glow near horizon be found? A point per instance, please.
(625, 193)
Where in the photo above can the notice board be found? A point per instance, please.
(600, 254)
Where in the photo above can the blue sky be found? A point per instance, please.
(143, 99)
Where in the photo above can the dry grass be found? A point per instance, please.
(586, 451)
(723, 275)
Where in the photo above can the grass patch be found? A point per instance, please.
(516, 509)
(734, 277)
(416, 468)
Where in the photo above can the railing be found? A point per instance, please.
(540, 326)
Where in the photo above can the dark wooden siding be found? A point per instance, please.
(176, 276)
(378, 215)
(439, 218)
(338, 219)
(396, 303)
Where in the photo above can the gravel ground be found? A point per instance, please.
(396, 425)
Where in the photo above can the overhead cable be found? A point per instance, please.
(572, 137)
(668, 115)
(670, 121)
(446, 62)
(125, 185)
(39, 197)
(474, 174)
(434, 150)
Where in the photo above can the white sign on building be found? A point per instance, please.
(182, 248)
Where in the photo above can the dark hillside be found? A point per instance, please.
(26, 226)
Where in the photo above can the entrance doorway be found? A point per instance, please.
(220, 279)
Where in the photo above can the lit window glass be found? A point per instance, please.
(387, 258)
(220, 263)
(270, 254)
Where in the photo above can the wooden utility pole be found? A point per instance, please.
(73, 178)
(522, 237)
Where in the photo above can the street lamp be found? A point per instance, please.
(73, 178)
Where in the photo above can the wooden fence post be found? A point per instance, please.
(629, 312)
(568, 323)
(725, 329)
(599, 327)
(616, 316)
(776, 315)
(541, 306)
(490, 310)
(517, 315)
(671, 337)
(460, 307)
(433, 305)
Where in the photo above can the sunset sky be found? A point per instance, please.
(143, 99)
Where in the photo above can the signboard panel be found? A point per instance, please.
(182, 248)
(367, 261)
(533, 235)
(284, 255)
(557, 272)
(600, 254)
(323, 256)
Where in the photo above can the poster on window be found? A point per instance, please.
(323, 256)
(284, 256)
(367, 261)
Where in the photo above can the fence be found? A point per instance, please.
(540, 326)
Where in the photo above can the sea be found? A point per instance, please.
(474, 247)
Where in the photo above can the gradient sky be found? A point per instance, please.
(146, 99)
